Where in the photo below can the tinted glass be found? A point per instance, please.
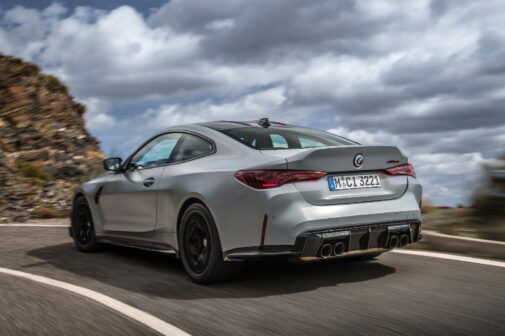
(310, 143)
(191, 147)
(157, 151)
(278, 141)
(285, 138)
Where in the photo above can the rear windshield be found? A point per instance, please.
(285, 138)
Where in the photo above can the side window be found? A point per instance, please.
(278, 141)
(192, 146)
(309, 143)
(157, 151)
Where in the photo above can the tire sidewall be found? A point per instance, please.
(91, 246)
(215, 250)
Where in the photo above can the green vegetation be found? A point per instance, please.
(465, 222)
(421, 245)
(33, 171)
(96, 170)
(426, 207)
(33, 68)
(54, 83)
(44, 213)
(484, 219)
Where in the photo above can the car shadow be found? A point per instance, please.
(160, 275)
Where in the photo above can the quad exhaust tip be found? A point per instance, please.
(326, 251)
(339, 248)
(394, 242)
(404, 239)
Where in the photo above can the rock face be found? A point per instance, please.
(45, 150)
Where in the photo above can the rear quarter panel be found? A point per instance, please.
(211, 180)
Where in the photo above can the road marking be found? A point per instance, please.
(476, 240)
(35, 225)
(133, 313)
(452, 257)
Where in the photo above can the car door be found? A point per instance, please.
(128, 201)
(177, 178)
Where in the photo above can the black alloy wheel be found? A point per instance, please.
(200, 247)
(83, 230)
(197, 242)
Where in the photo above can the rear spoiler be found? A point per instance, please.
(341, 158)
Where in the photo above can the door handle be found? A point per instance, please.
(148, 182)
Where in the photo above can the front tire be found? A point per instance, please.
(200, 247)
(83, 228)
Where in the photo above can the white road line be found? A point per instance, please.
(477, 240)
(452, 257)
(35, 225)
(133, 313)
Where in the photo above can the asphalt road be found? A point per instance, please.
(396, 294)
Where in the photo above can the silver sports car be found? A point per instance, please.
(219, 193)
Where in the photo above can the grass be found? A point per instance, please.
(465, 222)
(54, 83)
(426, 207)
(33, 171)
(91, 174)
(421, 245)
(45, 213)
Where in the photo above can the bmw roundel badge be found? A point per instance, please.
(358, 160)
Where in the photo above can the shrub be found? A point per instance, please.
(96, 170)
(54, 83)
(33, 171)
(426, 207)
(44, 213)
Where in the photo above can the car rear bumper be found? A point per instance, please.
(241, 224)
(353, 240)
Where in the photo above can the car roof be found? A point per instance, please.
(228, 124)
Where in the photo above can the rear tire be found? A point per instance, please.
(200, 247)
(83, 228)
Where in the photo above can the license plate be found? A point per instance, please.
(345, 182)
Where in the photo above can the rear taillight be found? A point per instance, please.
(264, 179)
(404, 169)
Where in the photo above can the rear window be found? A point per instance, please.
(285, 138)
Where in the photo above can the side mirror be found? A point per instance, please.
(113, 164)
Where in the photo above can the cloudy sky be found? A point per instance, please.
(428, 76)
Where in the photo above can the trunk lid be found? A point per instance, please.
(340, 161)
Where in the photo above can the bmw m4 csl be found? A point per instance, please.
(220, 193)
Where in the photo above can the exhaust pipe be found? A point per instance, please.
(394, 242)
(326, 251)
(404, 239)
(339, 248)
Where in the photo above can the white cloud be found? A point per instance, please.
(446, 177)
(56, 9)
(250, 106)
(369, 137)
(424, 75)
(97, 115)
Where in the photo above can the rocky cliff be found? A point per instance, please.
(45, 150)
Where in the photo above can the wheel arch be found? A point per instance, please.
(77, 194)
(192, 199)
(84, 193)
(189, 201)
